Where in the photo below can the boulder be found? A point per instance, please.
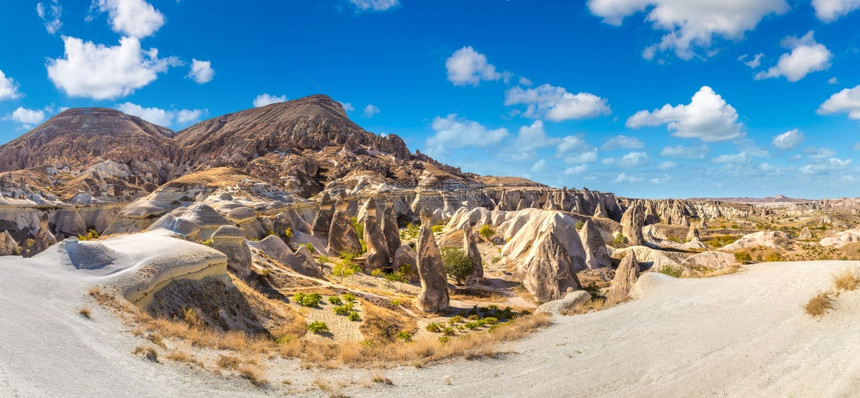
(470, 246)
(631, 224)
(8, 246)
(805, 234)
(692, 233)
(230, 240)
(433, 296)
(391, 231)
(711, 259)
(405, 255)
(550, 274)
(377, 247)
(770, 239)
(302, 261)
(596, 255)
(569, 302)
(625, 278)
(341, 235)
(43, 240)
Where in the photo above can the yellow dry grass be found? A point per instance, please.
(819, 305)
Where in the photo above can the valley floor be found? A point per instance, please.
(738, 335)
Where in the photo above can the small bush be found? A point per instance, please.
(593, 290)
(411, 232)
(773, 257)
(457, 263)
(405, 336)
(307, 300)
(579, 225)
(311, 248)
(85, 312)
(343, 310)
(672, 270)
(444, 339)
(436, 229)
(349, 297)
(486, 232)
(618, 241)
(743, 257)
(353, 316)
(147, 352)
(846, 281)
(335, 300)
(434, 327)
(207, 242)
(819, 304)
(317, 327)
(288, 234)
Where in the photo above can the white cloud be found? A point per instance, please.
(622, 142)
(833, 80)
(201, 71)
(667, 165)
(468, 67)
(27, 118)
(50, 14)
(556, 104)
(134, 18)
(661, 180)
(525, 82)
(686, 152)
(819, 153)
(529, 139)
(268, 99)
(707, 117)
(347, 107)
(690, 24)
(588, 156)
(632, 159)
(806, 56)
(539, 166)
(788, 140)
(8, 88)
(768, 168)
(831, 10)
(369, 111)
(101, 72)
(454, 132)
(578, 169)
(162, 117)
(623, 177)
(845, 101)
(832, 164)
(754, 63)
(857, 146)
(741, 157)
(374, 5)
(574, 150)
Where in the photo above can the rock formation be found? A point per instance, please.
(805, 234)
(596, 255)
(406, 256)
(550, 274)
(322, 221)
(43, 240)
(692, 233)
(625, 277)
(433, 296)
(470, 246)
(600, 211)
(230, 240)
(8, 246)
(341, 235)
(631, 224)
(391, 231)
(301, 261)
(377, 247)
(569, 302)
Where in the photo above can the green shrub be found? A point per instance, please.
(434, 327)
(436, 229)
(396, 302)
(444, 339)
(671, 270)
(411, 232)
(457, 263)
(207, 242)
(345, 268)
(349, 297)
(288, 233)
(307, 300)
(486, 232)
(317, 327)
(618, 241)
(405, 336)
(455, 319)
(353, 316)
(773, 257)
(490, 320)
(311, 248)
(342, 310)
(743, 257)
(472, 325)
(579, 224)
(335, 300)
(448, 331)
(592, 289)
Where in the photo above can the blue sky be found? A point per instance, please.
(646, 98)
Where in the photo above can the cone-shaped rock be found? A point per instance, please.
(470, 246)
(805, 233)
(433, 296)
(596, 255)
(391, 231)
(377, 247)
(43, 240)
(406, 256)
(692, 233)
(341, 235)
(625, 277)
(8, 246)
(600, 211)
(631, 224)
(230, 240)
(550, 274)
(322, 222)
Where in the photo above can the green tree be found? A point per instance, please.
(457, 263)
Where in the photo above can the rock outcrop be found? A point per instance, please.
(692, 233)
(631, 224)
(377, 247)
(805, 234)
(569, 302)
(43, 240)
(406, 256)
(550, 274)
(433, 296)
(341, 235)
(625, 277)
(470, 246)
(301, 261)
(391, 231)
(230, 240)
(323, 219)
(596, 255)
(8, 246)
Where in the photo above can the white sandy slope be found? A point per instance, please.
(739, 335)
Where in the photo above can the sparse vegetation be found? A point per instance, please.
(487, 232)
(579, 225)
(847, 280)
(288, 234)
(85, 312)
(147, 352)
(410, 232)
(671, 270)
(307, 300)
(346, 267)
(457, 263)
(317, 327)
(743, 257)
(819, 304)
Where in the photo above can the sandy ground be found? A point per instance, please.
(738, 335)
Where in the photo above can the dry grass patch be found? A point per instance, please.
(183, 356)
(848, 280)
(85, 312)
(819, 304)
(595, 304)
(229, 362)
(147, 352)
(255, 374)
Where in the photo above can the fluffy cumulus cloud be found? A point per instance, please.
(455, 132)
(103, 72)
(163, 117)
(741, 157)
(556, 104)
(268, 99)
(347, 106)
(134, 18)
(831, 10)
(845, 101)
(370, 110)
(690, 24)
(539, 166)
(686, 152)
(578, 169)
(528, 141)
(819, 153)
(624, 178)
(826, 166)
(806, 56)
(788, 140)
(374, 5)
(632, 159)
(8, 88)
(27, 118)
(50, 12)
(707, 117)
(753, 63)
(201, 71)
(469, 67)
(574, 150)
(667, 165)
(622, 142)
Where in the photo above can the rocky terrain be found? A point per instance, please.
(256, 243)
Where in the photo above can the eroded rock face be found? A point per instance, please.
(625, 277)
(596, 255)
(405, 255)
(391, 231)
(550, 274)
(433, 296)
(8, 246)
(569, 302)
(470, 246)
(301, 261)
(341, 235)
(805, 233)
(230, 240)
(600, 211)
(693, 233)
(631, 224)
(43, 240)
(323, 220)
(377, 247)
